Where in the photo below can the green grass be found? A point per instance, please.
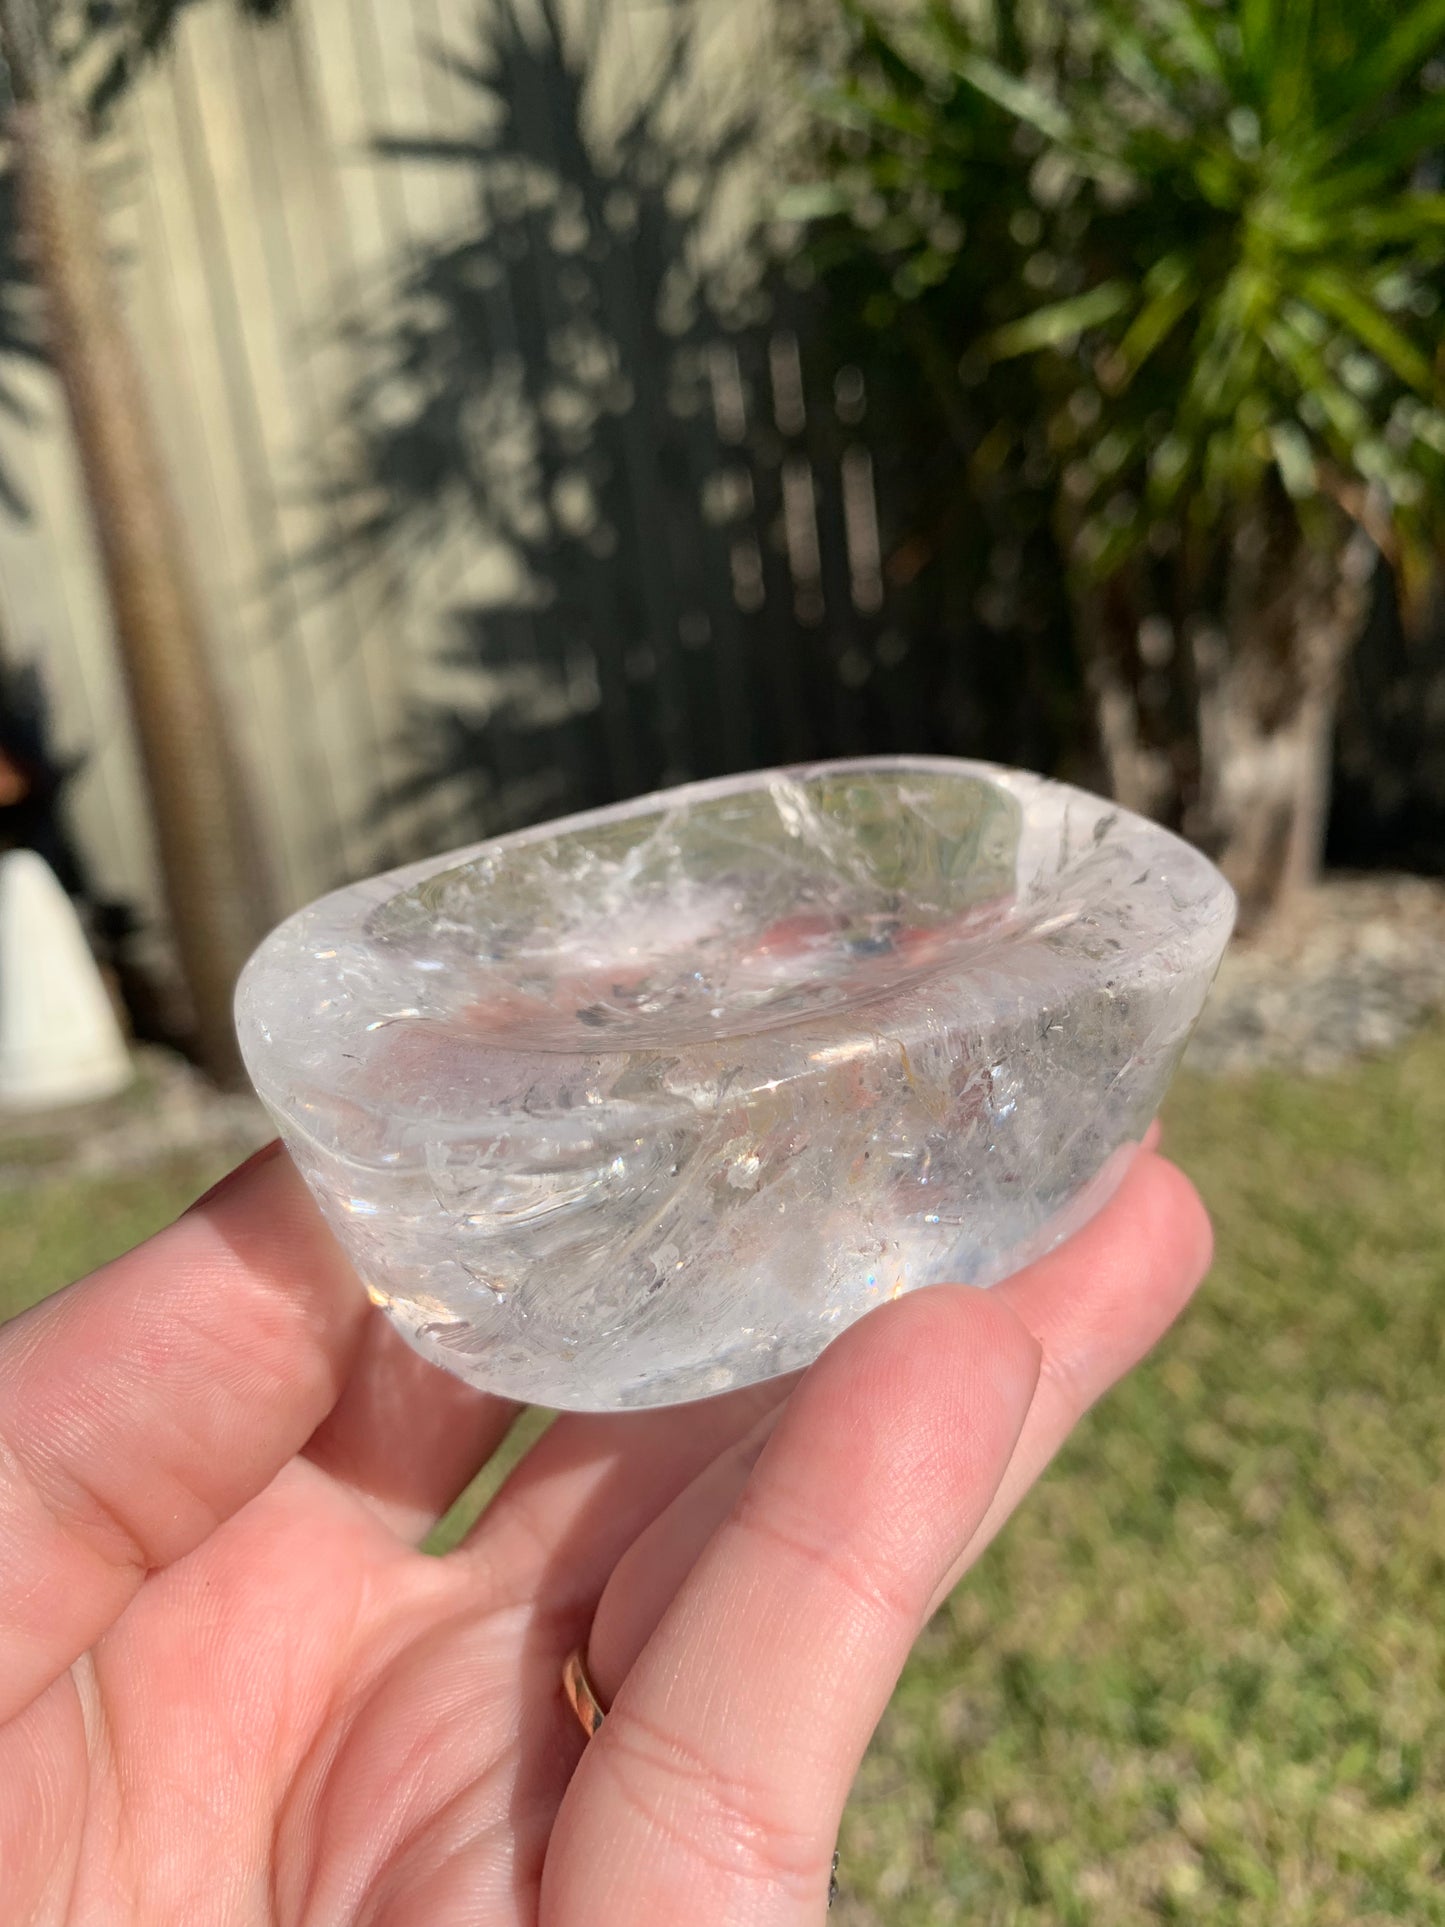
(1202, 1677)
(53, 1230)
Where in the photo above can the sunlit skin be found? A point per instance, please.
(232, 1690)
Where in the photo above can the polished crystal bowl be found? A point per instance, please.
(652, 1102)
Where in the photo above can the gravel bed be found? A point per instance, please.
(1350, 972)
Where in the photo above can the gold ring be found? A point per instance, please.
(581, 1693)
(582, 1698)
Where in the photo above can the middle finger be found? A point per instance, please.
(595, 1482)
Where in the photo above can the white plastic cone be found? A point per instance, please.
(59, 1039)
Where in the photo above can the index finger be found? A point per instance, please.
(146, 1404)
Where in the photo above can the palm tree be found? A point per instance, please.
(208, 854)
(1227, 284)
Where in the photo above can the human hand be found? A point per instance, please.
(232, 1691)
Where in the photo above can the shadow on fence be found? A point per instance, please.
(647, 446)
(21, 340)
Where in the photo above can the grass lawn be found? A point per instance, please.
(1202, 1677)
(54, 1230)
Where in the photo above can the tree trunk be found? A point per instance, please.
(1268, 691)
(1220, 723)
(1267, 789)
(209, 858)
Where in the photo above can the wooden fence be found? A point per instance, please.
(512, 481)
(504, 478)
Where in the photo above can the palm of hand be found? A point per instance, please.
(233, 1691)
(306, 1722)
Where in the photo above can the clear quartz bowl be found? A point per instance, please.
(652, 1102)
